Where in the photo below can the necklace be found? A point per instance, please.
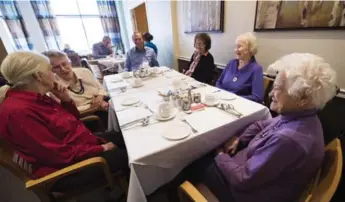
(81, 91)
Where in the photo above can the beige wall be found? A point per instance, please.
(239, 18)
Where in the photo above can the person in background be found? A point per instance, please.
(243, 75)
(148, 38)
(139, 54)
(275, 159)
(46, 134)
(83, 87)
(67, 49)
(102, 49)
(201, 65)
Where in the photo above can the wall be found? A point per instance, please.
(160, 26)
(239, 18)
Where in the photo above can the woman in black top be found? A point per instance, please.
(201, 65)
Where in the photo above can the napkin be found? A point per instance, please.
(208, 119)
(116, 85)
(132, 114)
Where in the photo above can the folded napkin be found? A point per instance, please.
(209, 119)
(132, 114)
(116, 85)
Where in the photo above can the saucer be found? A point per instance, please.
(179, 132)
(172, 115)
(137, 86)
(130, 101)
(126, 77)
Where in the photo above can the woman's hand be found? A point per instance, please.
(61, 92)
(104, 105)
(231, 145)
(108, 146)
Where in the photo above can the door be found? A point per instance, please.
(139, 18)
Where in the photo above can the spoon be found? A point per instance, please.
(144, 122)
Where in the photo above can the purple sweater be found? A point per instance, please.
(247, 82)
(281, 157)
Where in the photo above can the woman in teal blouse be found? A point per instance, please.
(148, 38)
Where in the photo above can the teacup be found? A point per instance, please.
(164, 110)
(126, 74)
(137, 82)
(211, 99)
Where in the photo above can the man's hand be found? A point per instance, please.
(61, 92)
(108, 146)
(231, 145)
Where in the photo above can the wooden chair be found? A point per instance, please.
(20, 168)
(94, 66)
(321, 189)
(329, 174)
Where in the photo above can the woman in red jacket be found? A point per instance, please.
(46, 134)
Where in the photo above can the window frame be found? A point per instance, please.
(81, 16)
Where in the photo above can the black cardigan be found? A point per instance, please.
(203, 72)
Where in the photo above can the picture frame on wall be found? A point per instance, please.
(299, 15)
(203, 16)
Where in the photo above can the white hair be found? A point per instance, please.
(18, 68)
(250, 40)
(307, 75)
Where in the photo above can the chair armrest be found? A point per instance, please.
(95, 161)
(189, 189)
(94, 118)
(88, 112)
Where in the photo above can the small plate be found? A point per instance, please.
(227, 97)
(179, 132)
(173, 114)
(137, 85)
(130, 101)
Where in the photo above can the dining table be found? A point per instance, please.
(112, 64)
(159, 149)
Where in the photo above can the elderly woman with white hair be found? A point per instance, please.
(45, 133)
(273, 160)
(243, 75)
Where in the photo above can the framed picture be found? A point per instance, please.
(203, 16)
(295, 15)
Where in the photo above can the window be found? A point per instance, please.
(79, 23)
(5, 31)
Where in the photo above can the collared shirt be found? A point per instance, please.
(136, 57)
(248, 82)
(46, 134)
(91, 85)
(281, 157)
(99, 50)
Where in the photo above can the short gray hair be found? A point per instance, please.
(250, 39)
(307, 75)
(54, 53)
(18, 68)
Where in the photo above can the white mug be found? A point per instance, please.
(164, 110)
(210, 98)
(137, 82)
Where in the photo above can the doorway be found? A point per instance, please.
(139, 18)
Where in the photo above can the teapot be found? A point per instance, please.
(143, 71)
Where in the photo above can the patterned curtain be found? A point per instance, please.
(16, 25)
(110, 22)
(47, 21)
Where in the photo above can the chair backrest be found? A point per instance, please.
(75, 59)
(13, 162)
(330, 174)
(96, 70)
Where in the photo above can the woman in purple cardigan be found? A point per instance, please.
(243, 75)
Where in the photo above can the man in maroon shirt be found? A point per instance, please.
(46, 134)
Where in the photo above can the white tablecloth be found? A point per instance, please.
(113, 64)
(155, 160)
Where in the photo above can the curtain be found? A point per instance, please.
(47, 22)
(110, 22)
(16, 25)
